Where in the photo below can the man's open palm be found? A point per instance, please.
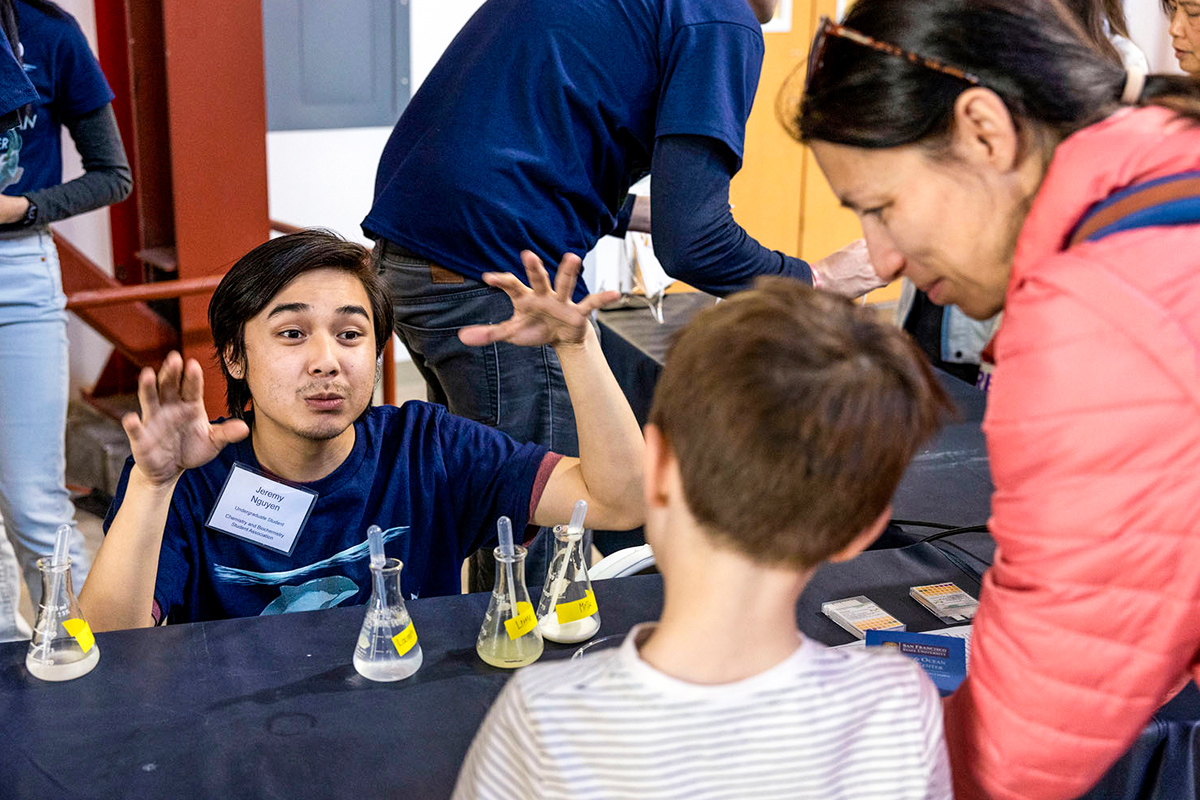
(173, 433)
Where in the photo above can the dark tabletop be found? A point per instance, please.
(948, 481)
(272, 707)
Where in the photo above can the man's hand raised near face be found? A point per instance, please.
(542, 314)
(173, 433)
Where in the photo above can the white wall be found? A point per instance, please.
(323, 178)
(1148, 29)
(326, 178)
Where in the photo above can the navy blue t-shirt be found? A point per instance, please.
(542, 113)
(435, 482)
(69, 84)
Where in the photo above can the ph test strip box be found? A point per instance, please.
(946, 601)
(859, 615)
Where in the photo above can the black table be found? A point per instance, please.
(271, 706)
(948, 481)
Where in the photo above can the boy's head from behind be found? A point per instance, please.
(791, 415)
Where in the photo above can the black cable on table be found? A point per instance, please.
(954, 532)
(921, 524)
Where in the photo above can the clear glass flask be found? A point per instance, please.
(387, 648)
(62, 646)
(509, 636)
(568, 612)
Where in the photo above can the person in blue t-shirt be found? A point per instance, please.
(70, 92)
(530, 129)
(267, 511)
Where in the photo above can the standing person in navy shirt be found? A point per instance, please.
(299, 324)
(71, 93)
(529, 131)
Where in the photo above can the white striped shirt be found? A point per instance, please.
(823, 724)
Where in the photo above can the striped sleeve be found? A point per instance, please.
(936, 757)
(496, 768)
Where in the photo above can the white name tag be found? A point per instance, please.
(261, 510)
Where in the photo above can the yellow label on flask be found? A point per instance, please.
(405, 639)
(522, 622)
(577, 609)
(80, 632)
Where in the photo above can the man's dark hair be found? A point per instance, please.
(793, 414)
(262, 273)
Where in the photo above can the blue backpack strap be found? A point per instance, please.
(1173, 200)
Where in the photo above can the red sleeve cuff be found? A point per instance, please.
(549, 462)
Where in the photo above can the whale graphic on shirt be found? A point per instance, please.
(245, 577)
(313, 595)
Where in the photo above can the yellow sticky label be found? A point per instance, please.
(576, 609)
(80, 632)
(405, 639)
(522, 622)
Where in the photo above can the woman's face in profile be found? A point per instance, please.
(948, 227)
(1185, 34)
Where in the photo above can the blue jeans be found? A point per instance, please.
(33, 416)
(518, 390)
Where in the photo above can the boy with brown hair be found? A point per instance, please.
(782, 424)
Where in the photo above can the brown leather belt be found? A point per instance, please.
(437, 273)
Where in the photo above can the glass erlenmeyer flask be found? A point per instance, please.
(387, 648)
(62, 646)
(568, 612)
(509, 637)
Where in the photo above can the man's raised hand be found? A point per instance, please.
(173, 433)
(542, 314)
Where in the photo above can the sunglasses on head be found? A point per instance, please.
(827, 28)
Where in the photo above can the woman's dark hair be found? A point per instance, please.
(1098, 17)
(1029, 52)
(258, 276)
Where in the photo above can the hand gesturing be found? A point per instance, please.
(847, 271)
(173, 432)
(541, 314)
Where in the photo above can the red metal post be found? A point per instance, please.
(112, 45)
(217, 128)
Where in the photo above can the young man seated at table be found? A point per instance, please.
(267, 512)
(780, 428)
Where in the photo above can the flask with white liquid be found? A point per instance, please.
(62, 646)
(568, 612)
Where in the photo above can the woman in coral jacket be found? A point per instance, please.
(972, 137)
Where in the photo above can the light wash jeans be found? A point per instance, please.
(33, 418)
